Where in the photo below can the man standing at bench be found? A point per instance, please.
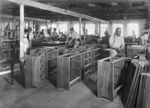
(116, 42)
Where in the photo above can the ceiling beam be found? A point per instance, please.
(55, 9)
(88, 1)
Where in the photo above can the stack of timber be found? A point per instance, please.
(109, 75)
(35, 70)
(68, 70)
(132, 84)
(143, 100)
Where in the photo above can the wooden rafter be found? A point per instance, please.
(55, 9)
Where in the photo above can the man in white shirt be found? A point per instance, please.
(116, 42)
(75, 38)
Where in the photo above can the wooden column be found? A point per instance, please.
(80, 24)
(22, 55)
(99, 29)
(148, 19)
(21, 32)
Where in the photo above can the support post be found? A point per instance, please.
(99, 29)
(22, 43)
(80, 24)
(21, 32)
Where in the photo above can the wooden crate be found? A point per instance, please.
(109, 71)
(86, 63)
(96, 55)
(68, 70)
(134, 50)
(34, 70)
(49, 55)
(52, 71)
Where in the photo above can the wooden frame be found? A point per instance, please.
(96, 55)
(35, 70)
(68, 70)
(109, 70)
(86, 63)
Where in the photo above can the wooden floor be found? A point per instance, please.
(79, 96)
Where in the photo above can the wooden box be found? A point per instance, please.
(86, 63)
(96, 55)
(34, 70)
(52, 71)
(134, 50)
(49, 56)
(68, 70)
(109, 72)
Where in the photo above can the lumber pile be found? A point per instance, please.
(131, 87)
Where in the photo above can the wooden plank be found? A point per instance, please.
(133, 89)
(127, 86)
(105, 80)
(55, 9)
(28, 71)
(63, 72)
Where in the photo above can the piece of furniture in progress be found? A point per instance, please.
(35, 70)
(86, 63)
(96, 55)
(68, 70)
(50, 61)
(109, 72)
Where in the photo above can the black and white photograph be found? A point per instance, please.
(74, 53)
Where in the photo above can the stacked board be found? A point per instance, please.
(143, 100)
(130, 90)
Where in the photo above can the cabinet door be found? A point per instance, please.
(105, 80)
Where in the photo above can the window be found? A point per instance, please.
(132, 27)
(103, 28)
(90, 27)
(117, 25)
(76, 27)
(63, 27)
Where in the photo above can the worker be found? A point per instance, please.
(42, 35)
(144, 38)
(74, 40)
(6, 30)
(26, 41)
(31, 36)
(54, 34)
(133, 35)
(116, 42)
(106, 33)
